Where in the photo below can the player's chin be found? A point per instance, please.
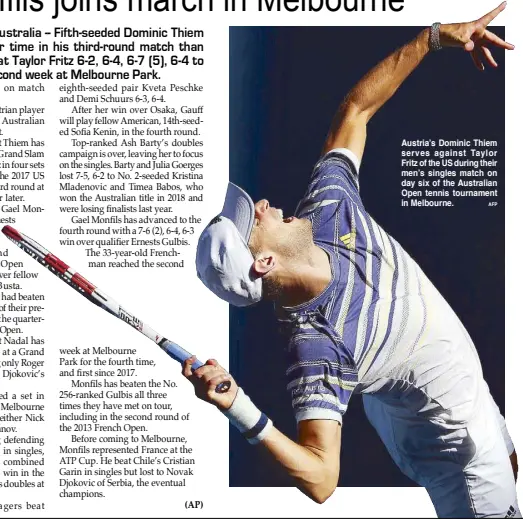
(304, 223)
(301, 229)
(292, 220)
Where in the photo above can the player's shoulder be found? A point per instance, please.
(311, 336)
(334, 179)
(338, 163)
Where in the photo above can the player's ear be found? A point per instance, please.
(263, 264)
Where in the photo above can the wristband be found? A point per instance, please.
(247, 418)
(434, 40)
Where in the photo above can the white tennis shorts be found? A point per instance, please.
(434, 412)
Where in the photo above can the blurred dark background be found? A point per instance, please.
(285, 86)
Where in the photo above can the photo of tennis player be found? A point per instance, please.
(356, 313)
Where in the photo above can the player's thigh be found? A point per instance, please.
(465, 470)
(424, 450)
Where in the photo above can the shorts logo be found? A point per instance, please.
(511, 512)
(349, 240)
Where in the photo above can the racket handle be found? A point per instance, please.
(179, 354)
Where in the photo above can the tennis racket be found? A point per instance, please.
(96, 296)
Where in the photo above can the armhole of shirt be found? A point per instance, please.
(347, 153)
(318, 414)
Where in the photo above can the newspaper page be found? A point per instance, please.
(390, 298)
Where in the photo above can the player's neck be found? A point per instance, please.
(307, 278)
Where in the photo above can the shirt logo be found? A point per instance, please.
(349, 240)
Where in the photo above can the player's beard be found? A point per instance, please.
(272, 288)
(293, 249)
(296, 245)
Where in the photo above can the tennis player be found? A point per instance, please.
(363, 318)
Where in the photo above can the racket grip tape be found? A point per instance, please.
(180, 355)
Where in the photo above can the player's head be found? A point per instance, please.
(279, 246)
(247, 251)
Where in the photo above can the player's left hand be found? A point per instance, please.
(205, 380)
(475, 38)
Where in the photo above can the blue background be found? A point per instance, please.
(285, 86)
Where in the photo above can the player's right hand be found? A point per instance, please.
(475, 38)
(205, 380)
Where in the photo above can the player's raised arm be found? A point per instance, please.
(349, 127)
(313, 462)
